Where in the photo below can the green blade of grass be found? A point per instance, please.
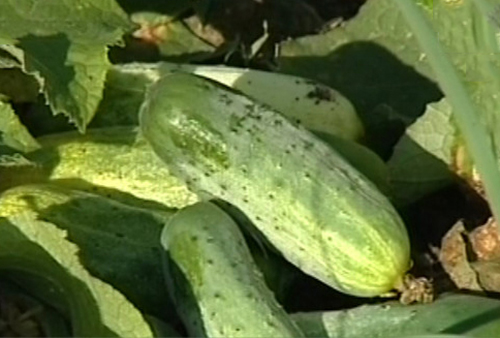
(477, 138)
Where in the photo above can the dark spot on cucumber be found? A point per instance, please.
(210, 262)
(249, 108)
(293, 145)
(225, 98)
(237, 329)
(258, 218)
(194, 238)
(287, 151)
(297, 98)
(278, 123)
(270, 324)
(217, 295)
(308, 145)
(277, 228)
(119, 235)
(223, 187)
(321, 93)
(298, 121)
(270, 195)
(307, 175)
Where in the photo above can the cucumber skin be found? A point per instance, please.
(217, 288)
(114, 162)
(316, 209)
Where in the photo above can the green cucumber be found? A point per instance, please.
(115, 162)
(461, 314)
(311, 204)
(318, 107)
(218, 289)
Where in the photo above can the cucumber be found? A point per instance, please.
(319, 107)
(218, 290)
(115, 162)
(311, 204)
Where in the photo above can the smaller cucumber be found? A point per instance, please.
(217, 288)
(318, 107)
(114, 162)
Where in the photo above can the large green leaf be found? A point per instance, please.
(64, 244)
(65, 45)
(18, 86)
(424, 158)
(452, 314)
(41, 250)
(471, 80)
(12, 133)
(358, 57)
(375, 61)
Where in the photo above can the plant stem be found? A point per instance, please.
(477, 139)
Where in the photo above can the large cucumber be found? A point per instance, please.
(218, 289)
(116, 162)
(319, 211)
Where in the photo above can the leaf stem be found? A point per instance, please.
(477, 139)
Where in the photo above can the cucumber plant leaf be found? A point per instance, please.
(117, 243)
(451, 314)
(373, 60)
(461, 25)
(424, 158)
(64, 45)
(13, 134)
(41, 252)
